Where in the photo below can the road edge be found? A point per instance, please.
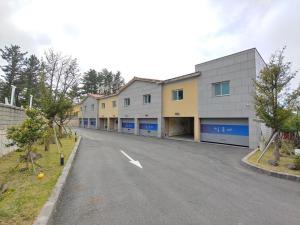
(45, 216)
(244, 162)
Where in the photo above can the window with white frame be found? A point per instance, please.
(221, 88)
(103, 105)
(114, 104)
(126, 102)
(147, 99)
(177, 94)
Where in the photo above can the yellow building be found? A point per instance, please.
(108, 113)
(180, 107)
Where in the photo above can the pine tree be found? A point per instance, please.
(30, 80)
(90, 82)
(14, 58)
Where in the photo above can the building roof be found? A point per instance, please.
(96, 96)
(182, 77)
(139, 79)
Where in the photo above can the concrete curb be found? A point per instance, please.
(46, 214)
(244, 162)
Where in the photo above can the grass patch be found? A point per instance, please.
(26, 194)
(269, 155)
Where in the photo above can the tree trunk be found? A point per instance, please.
(49, 136)
(276, 149)
(60, 130)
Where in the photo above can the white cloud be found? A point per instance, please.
(157, 39)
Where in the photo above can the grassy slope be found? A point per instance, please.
(26, 195)
(269, 155)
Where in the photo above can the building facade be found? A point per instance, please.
(139, 109)
(213, 104)
(226, 107)
(88, 115)
(180, 107)
(108, 113)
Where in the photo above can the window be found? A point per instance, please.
(177, 95)
(103, 105)
(92, 107)
(114, 104)
(222, 88)
(147, 99)
(126, 102)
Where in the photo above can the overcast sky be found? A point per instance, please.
(155, 38)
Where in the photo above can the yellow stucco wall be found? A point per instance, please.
(109, 110)
(76, 110)
(187, 107)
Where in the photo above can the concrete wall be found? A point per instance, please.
(240, 69)
(137, 108)
(9, 116)
(88, 112)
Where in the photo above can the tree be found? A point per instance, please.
(90, 82)
(30, 80)
(60, 74)
(271, 98)
(103, 83)
(14, 58)
(25, 136)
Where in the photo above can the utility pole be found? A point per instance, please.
(13, 89)
(30, 103)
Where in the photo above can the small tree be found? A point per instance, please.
(271, 98)
(26, 135)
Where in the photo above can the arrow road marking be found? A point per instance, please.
(131, 160)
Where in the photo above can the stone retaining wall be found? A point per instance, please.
(9, 116)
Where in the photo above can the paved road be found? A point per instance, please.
(181, 183)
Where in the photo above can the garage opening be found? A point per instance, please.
(127, 125)
(85, 122)
(179, 128)
(113, 124)
(148, 127)
(232, 131)
(103, 123)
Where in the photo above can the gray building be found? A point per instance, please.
(226, 106)
(139, 107)
(89, 109)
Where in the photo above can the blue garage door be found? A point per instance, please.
(93, 123)
(148, 127)
(227, 131)
(85, 122)
(127, 125)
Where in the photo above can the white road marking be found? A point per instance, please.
(131, 160)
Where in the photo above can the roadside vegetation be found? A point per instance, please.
(278, 108)
(25, 194)
(285, 161)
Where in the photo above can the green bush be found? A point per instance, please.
(297, 162)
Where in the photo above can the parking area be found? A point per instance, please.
(177, 183)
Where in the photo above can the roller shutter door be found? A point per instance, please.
(92, 123)
(148, 127)
(127, 125)
(225, 131)
(85, 122)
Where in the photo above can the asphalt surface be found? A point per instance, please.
(181, 183)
